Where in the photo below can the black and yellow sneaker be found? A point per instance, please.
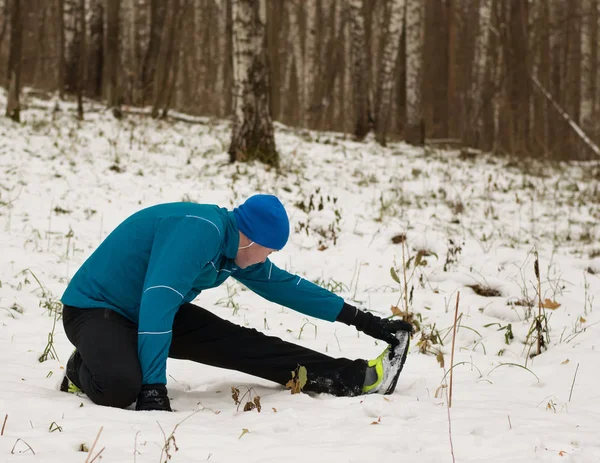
(70, 382)
(383, 372)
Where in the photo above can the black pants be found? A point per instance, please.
(111, 374)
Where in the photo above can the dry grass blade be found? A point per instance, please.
(453, 342)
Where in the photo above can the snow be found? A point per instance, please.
(65, 185)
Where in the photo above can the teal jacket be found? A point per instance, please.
(164, 256)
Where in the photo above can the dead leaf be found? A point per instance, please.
(377, 422)
(257, 403)
(244, 432)
(440, 358)
(396, 311)
(274, 409)
(564, 362)
(386, 399)
(582, 320)
(562, 453)
(549, 304)
(298, 381)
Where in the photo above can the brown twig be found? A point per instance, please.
(572, 385)
(97, 455)
(452, 355)
(87, 460)
(4, 425)
(450, 424)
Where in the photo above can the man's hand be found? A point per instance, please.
(384, 328)
(153, 397)
(380, 328)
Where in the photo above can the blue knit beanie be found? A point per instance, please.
(262, 218)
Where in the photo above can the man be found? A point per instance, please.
(129, 307)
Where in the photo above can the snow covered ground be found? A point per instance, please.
(469, 221)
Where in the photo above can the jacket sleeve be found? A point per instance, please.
(181, 247)
(293, 291)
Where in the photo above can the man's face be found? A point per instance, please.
(252, 255)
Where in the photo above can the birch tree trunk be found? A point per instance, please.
(13, 78)
(586, 102)
(359, 69)
(415, 124)
(391, 38)
(480, 62)
(111, 54)
(252, 133)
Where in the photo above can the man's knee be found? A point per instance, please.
(117, 390)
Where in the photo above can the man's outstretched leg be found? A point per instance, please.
(203, 337)
(105, 365)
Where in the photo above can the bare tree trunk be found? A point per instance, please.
(69, 47)
(389, 57)
(310, 61)
(168, 63)
(586, 101)
(60, 7)
(111, 55)
(164, 59)
(13, 78)
(81, 64)
(95, 72)
(252, 134)
(452, 93)
(295, 60)
(415, 124)
(480, 62)
(223, 111)
(359, 69)
(597, 70)
(519, 86)
(141, 40)
(158, 11)
(4, 21)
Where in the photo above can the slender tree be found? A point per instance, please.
(95, 66)
(311, 60)
(480, 67)
(391, 47)
(252, 134)
(13, 78)
(518, 77)
(111, 54)
(360, 74)
(81, 57)
(586, 105)
(415, 124)
(158, 10)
